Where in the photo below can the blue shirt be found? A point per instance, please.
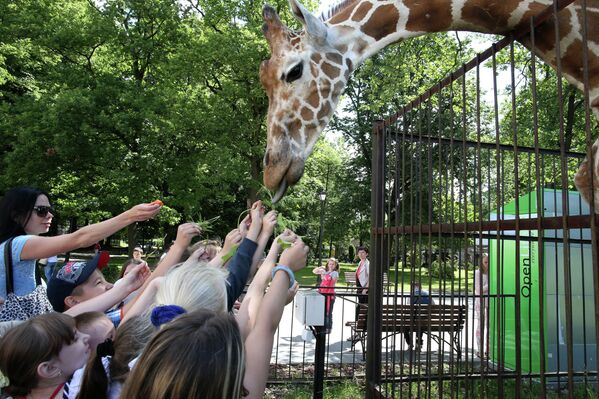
(239, 270)
(420, 297)
(23, 271)
(114, 315)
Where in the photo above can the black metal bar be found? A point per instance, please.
(540, 231)
(373, 344)
(319, 354)
(546, 223)
(517, 309)
(503, 147)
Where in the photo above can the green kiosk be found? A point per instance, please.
(502, 289)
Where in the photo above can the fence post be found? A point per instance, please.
(319, 353)
(375, 279)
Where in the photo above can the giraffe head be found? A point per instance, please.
(303, 78)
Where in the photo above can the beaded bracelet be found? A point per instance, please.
(287, 270)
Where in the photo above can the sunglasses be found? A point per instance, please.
(43, 210)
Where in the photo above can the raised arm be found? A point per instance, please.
(269, 222)
(258, 345)
(185, 232)
(42, 247)
(246, 318)
(232, 242)
(144, 300)
(131, 282)
(239, 267)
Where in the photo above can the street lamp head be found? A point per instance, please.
(322, 195)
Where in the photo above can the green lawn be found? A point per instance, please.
(306, 277)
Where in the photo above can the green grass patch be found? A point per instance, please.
(332, 390)
(402, 278)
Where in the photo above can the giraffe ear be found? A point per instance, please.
(315, 28)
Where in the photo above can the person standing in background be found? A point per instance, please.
(481, 306)
(362, 273)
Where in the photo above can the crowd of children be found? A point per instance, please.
(174, 332)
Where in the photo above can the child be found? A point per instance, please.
(97, 325)
(181, 361)
(39, 355)
(78, 282)
(329, 277)
(108, 368)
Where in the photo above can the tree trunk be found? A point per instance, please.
(72, 228)
(570, 120)
(131, 238)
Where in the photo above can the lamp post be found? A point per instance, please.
(322, 196)
(320, 331)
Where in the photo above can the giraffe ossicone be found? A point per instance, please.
(309, 69)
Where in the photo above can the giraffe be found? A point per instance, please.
(309, 69)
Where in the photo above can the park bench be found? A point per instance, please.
(434, 320)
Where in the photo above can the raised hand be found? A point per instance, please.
(245, 225)
(233, 238)
(142, 212)
(256, 215)
(269, 222)
(295, 257)
(185, 233)
(136, 277)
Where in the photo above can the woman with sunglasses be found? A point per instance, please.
(25, 213)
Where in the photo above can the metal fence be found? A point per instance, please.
(456, 176)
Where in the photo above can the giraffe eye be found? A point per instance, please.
(295, 73)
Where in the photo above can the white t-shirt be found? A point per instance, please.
(73, 386)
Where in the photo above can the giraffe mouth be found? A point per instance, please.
(281, 191)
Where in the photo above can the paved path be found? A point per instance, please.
(290, 347)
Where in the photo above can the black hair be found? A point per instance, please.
(362, 249)
(15, 210)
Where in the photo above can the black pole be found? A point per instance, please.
(320, 333)
(321, 231)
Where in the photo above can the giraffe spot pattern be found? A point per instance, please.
(429, 15)
(335, 58)
(349, 64)
(572, 64)
(314, 69)
(361, 12)
(382, 22)
(592, 29)
(324, 111)
(330, 70)
(293, 128)
(313, 99)
(307, 114)
(343, 15)
(338, 88)
(325, 90)
(545, 33)
(492, 16)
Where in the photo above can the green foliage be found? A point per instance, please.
(442, 269)
(337, 390)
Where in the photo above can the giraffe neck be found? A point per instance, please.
(367, 26)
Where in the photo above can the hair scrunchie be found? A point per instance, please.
(165, 313)
(105, 348)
